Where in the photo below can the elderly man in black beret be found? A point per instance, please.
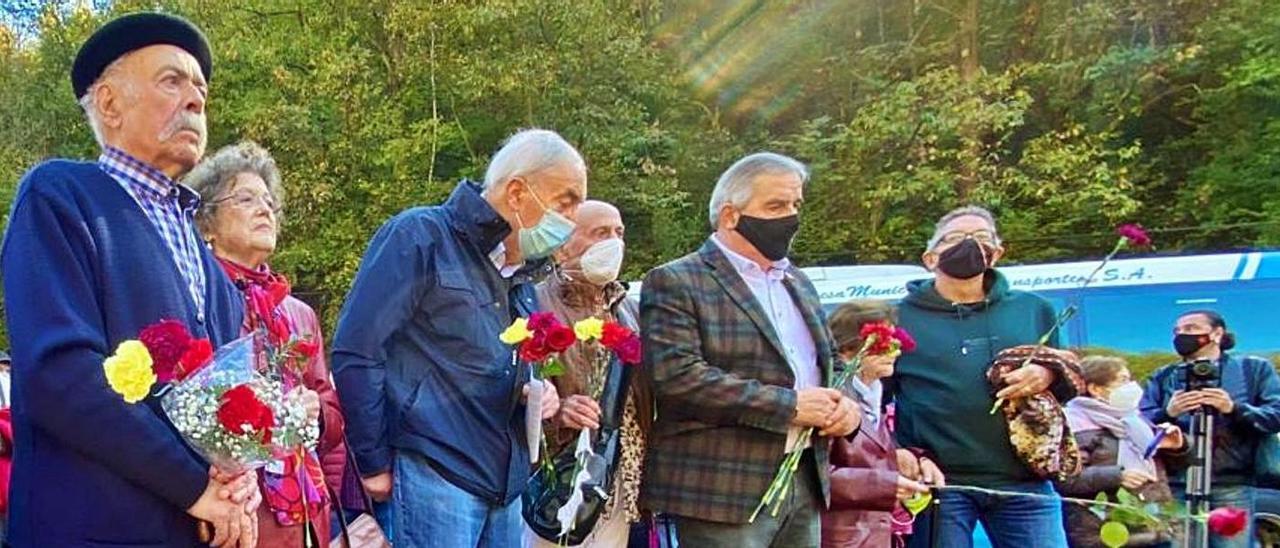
(94, 252)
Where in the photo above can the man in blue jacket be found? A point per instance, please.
(435, 403)
(94, 252)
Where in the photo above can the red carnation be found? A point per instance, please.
(197, 355)
(308, 348)
(614, 334)
(880, 336)
(166, 341)
(1228, 521)
(1134, 235)
(540, 321)
(905, 340)
(629, 350)
(560, 338)
(535, 349)
(242, 413)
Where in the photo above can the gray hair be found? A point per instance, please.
(737, 184)
(90, 106)
(211, 177)
(966, 211)
(527, 152)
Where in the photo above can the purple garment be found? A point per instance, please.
(1133, 431)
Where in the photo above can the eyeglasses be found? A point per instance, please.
(956, 236)
(247, 200)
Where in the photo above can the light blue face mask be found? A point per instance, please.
(547, 236)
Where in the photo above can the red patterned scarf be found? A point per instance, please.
(291, 492)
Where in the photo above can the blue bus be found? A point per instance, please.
(1131, 304)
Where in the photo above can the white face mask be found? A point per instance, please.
(602, 261)
(1126, 396)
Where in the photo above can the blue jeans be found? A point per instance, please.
(426, 511)
(1009, 522)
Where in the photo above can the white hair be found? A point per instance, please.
(527, 152)
(966, 211)
(90, 106)
(737, 184)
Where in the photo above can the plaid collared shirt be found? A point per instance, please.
(171, 208)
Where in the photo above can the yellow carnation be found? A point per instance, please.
(517, 333)
(129, 371)
(590, 328)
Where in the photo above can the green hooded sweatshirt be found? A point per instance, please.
(943, 398)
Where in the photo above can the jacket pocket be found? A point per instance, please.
(455, 312)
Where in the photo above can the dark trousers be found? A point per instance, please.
(798, 523)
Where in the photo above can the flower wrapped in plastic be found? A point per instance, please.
(225, 407)
(234, 416)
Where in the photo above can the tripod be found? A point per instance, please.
(1199, 476)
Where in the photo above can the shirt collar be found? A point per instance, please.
(499, 258)
(142, 175)
(743, 265)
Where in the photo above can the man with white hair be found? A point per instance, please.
(434, 402)
(95, 252)
(739, 354)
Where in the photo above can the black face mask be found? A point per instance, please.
(1186, 344)
(772, 237)
(964, 260)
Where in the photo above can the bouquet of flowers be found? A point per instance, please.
(566, 498)
(600, 338)
(230, 413)
(539, 340)
(878, 339)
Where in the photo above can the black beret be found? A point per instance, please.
(136, 31)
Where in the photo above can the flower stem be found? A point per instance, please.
(1066, 314)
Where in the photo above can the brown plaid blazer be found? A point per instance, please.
(723, 387)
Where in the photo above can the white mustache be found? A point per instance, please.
(183, 120)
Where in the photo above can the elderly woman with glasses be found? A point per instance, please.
(239, 216)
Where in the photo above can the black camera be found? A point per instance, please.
(1201, 374)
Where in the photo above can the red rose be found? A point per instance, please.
(1228, 521)
(560, 338)
(197, 355)
(308, 348)
(535, 349)
(614, 334)
(166, 341)
(540, 321)
(629, 350)
(242, 413)
(905, 340)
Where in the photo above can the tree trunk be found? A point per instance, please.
(969, 62)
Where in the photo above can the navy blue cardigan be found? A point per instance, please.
(84, 269)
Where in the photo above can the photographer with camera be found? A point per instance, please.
(1240, 393)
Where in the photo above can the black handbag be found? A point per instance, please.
(544, 496)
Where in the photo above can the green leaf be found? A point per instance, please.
(552, 368)
(1114, 534)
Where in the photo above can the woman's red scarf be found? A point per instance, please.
(284, 488)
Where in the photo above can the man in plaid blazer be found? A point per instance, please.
(739, 356)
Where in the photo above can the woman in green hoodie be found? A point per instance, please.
(961, 319)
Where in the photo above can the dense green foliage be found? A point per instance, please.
(1065, 116)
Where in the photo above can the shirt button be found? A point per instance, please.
(200, 317)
